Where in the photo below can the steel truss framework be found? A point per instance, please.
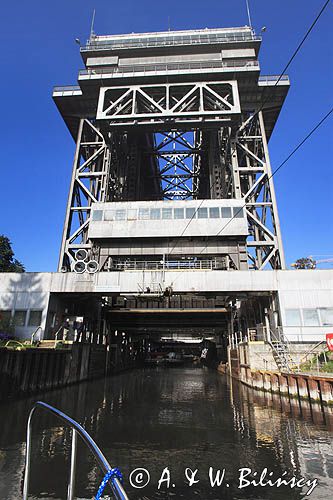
(153, 104)
(237, 164)
(178, 156)
(88, 185)
(251, 179)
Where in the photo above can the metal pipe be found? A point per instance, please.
(116, 487)
(71, 486)
(27, 458)
(35, 333)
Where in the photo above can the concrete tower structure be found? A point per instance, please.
(171, 165)
(171, 226)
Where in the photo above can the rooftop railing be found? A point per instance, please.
(273, 79)
(146, 42)
(159, 68)
(67, 89)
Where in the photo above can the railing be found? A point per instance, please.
(67, 89)
(134, 265)
(77, 429)
(276, 339)
(158, 68)
(56, 335)
(144, 42)
(35, 333)
(273, 78)
(315, 354)
(281, 348)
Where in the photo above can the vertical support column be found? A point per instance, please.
(88, 186)
(68, 216)
(235, 171)
(275, 214)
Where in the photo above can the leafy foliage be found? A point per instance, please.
(304, 263)
(8, 264)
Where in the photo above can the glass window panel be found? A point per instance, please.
(226, 212)
(310, 317)
(120, 214)
(214, 212)
(190, 213)
(179, 213)
(326, 316)
(35, 318)
(19, 317)
(143, 213)
(155, 213)
(166, 213)
(293, 317)
(238, 212)
(202, 213)
(97, 215)
(132, 214)
(109, 215)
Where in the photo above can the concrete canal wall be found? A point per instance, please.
(311, 387)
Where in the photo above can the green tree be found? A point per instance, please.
(304, 263)
(8, 264)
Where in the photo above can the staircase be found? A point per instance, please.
(281, 351)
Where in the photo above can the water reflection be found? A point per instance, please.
(174, 418)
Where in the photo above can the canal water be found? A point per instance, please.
(170, 423)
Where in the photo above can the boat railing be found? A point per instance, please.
(116, 487)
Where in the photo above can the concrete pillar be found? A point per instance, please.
(326, 389)
(249, 377)
(305, 409)
(314, 389)
(258, 381)
(283, 380)
(275, 383)
(302, 387)
(276, 400)
(292, 386)
(267, 382)
(295, 407)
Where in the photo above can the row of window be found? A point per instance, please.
(191, 38)
(23, 317)
(322, 316)
(168, 213)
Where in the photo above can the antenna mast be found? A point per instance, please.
(92, 23)
(248, 13)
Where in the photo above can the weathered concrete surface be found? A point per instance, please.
(296, 289)
(314, 388)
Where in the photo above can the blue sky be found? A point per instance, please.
(38, 51)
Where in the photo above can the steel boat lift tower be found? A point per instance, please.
(171, 160)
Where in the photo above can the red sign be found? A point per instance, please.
(329, 341)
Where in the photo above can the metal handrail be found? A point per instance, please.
(34, 333)
(57, 334)
(153, 68)
(94, 45)
(116, 487)
(149, 265)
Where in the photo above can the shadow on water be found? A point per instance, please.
(175, 418)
